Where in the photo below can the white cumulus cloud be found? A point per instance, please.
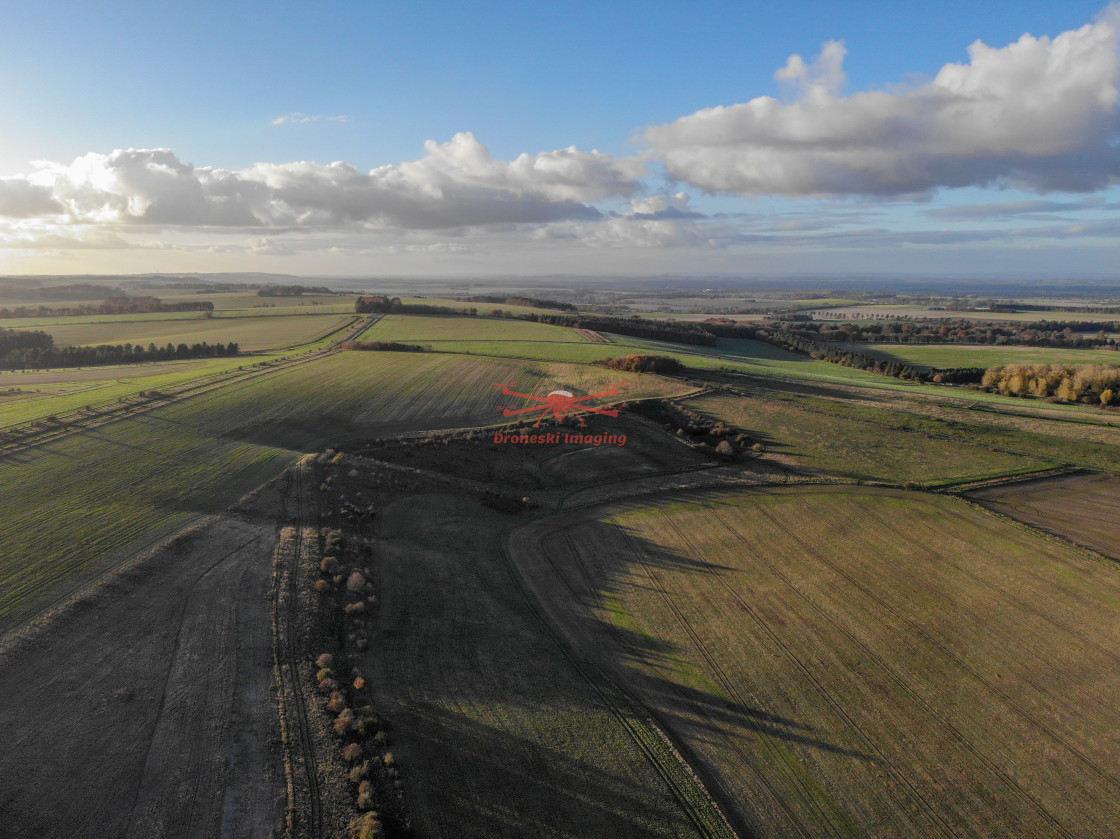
(1038, 114)
(455, 184)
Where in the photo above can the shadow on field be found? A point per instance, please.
(570, 797)
(678, 671)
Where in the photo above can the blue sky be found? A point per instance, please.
(870, 157)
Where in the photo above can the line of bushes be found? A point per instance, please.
(37, 358)
(122, 305)
(347, 599)
(382, 346)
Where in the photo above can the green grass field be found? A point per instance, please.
(74, 507)
(853, 662)
(831, 445)
(250, 333)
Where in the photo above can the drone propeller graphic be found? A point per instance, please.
(560, 403)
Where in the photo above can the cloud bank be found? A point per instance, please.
(1039, 114)
(455, 184)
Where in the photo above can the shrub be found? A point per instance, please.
(725, 450)
(366, 827)
(757, 447)
(344, 722)
(356, 608)
(359, 683)
(359, 772)
(365, 796)
(352, 753)
(388, 759)
(356, 583)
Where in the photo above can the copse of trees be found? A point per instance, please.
(38, 357)
(662, 364)
(1088, 383)
(15, 339)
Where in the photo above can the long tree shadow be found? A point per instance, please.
(480, 667)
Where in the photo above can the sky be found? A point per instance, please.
(615, 138)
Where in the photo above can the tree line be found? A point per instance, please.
(292, 290)
(122, 305)
(40, 356)
(1041, 333)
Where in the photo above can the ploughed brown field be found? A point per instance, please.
(1083, 508)
(843, 661)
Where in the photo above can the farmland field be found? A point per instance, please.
(834, 445)
(503, 735)
(108, 491)
(250, 333)
(439, 329)
(1082, 508)
(837, 659)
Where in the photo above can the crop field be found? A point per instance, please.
(60, 391)
(237, 301)
(74, 507)
(983, 355)
(827, 444)
(853, 662)
(249, 333)
(1082, 508)
(499, 733)
(81, 320)
(445, 328)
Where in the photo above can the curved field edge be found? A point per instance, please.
(77, 506)
(863, 683)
